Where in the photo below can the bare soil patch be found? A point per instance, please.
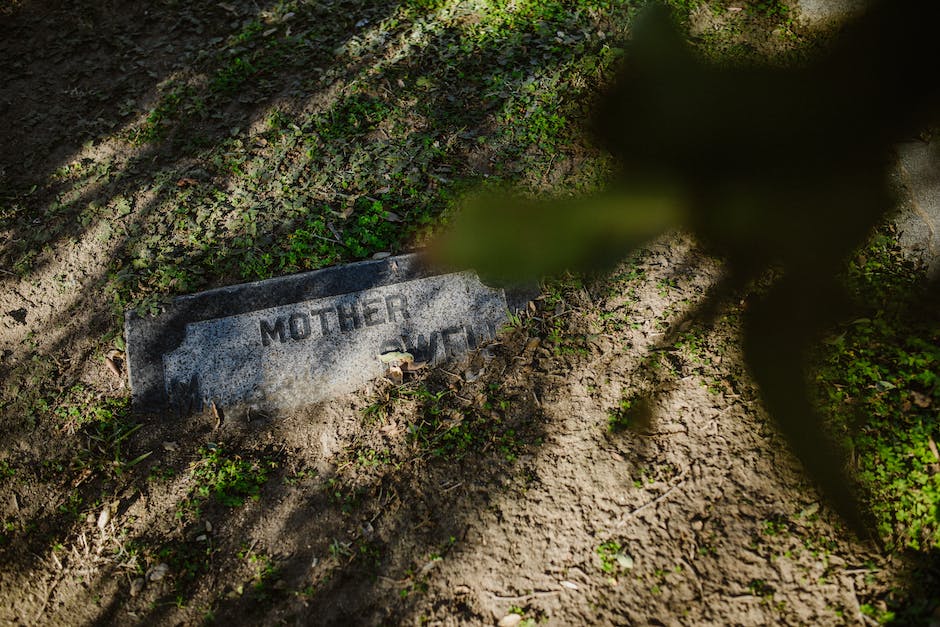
(606, 461)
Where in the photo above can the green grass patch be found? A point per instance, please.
(613, 557)
(445, 433)
(878, 379)
(228, 478)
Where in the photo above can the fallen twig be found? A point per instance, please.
(45, 603)
(525, 597)
(658, 499)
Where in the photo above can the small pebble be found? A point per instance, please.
(104, 517)
(509, 620)
(158, 572)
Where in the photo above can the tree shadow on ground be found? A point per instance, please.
(356, 565)
(393, 499)
(183, 101)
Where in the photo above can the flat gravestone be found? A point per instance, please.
(919, 221)
(303, 338)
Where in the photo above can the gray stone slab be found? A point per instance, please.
(919, 221)
(300, 339)
(824, 13)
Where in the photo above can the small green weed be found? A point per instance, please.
(339, 550)
(370, 458)
(187, 561)
(760, 588)
(771, 9)
(881, 385)
(445, 433)
(619, 419)
(231, 77)
(775, 525)
(634, 413)
(265, 571)
(175, 104)
(882, 616)
(613, 557)
(229, 479)
(72, 506)
(106, 425)
(6, 469)
(347, 497)
(665, 286)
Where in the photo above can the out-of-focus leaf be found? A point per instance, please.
(507, 237)
(768, 166)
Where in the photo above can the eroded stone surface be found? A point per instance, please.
(829, 12)
(297, 340)
(919, 224)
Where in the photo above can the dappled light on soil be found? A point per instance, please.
(606, 460)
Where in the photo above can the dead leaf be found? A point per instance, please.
(933, 447)
(335, 233)
(391, 429)
(104, 517)
(137, 586)
(427, 568)
(113, 367)
(158, 572)
(215, 414)
(396, 356)
(921, 400)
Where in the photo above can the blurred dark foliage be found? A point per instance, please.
(769, 167)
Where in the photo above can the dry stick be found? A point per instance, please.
(328, 239)
(658, 499)
(536, 594)
(865, 620)
(396, 582)
(695, 578)
(45, 603)
(251, 547)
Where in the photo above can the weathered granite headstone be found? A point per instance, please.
(919, 220)
(303, 338)
(828, 12)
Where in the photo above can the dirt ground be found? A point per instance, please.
(499, 491)
(700, 516)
